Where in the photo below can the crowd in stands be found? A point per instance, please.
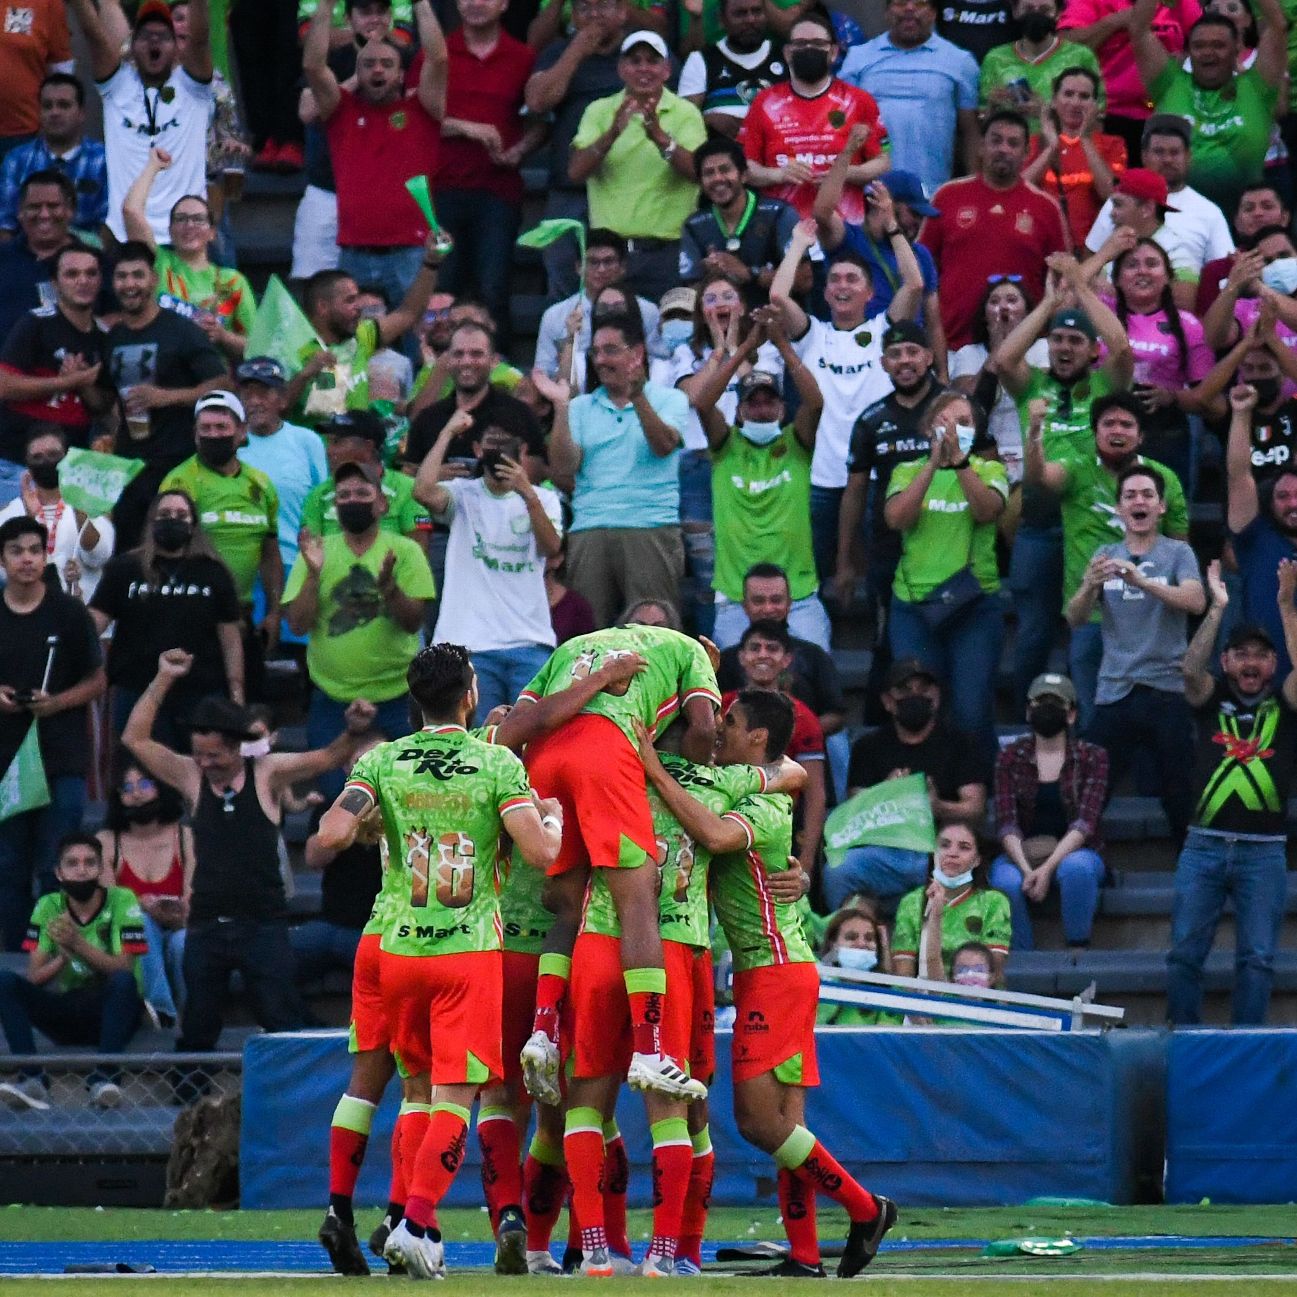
(977, 336)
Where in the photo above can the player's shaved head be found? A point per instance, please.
(438, 677)
(765, 709)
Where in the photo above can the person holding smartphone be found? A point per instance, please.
(944, 611)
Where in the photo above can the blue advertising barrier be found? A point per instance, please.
(928, 1117)
(1231, 1123)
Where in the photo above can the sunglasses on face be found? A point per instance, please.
(1003, 279)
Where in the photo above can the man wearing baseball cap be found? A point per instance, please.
(1242, 779)
(634, 153)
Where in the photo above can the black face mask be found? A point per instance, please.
(147, 813)
(46, 474)
(82, 889)
(914, 712)
(809, 65)
(1035, 27)
(1047, 719)
(215, 452)
(1267, 393)
(172, 534)
(355, 518)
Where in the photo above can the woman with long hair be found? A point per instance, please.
(172, 591)
(857, 941)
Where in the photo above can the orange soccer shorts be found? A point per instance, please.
(368, 1021)
(774, 1023)
(591, 767)
(445, 1013)
(518, 1009)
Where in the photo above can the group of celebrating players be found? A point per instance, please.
(543, 932)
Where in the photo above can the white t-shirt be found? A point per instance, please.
(1196, 233)
(494, 587)
(1002, 421)
(682, 363)
(693, 76)
(60, 521)
(174, 116)
(847, 365)
(1165, 236)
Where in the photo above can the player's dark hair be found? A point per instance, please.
(1116, 401)
(1260, 187)
(854, 259)
(1010, 115)
(67, 79)
(48, 176)
(438, 677)
(78, 838)
(1212, 20)
(131, 251)
(1142, 470)
(475, 326)
(718, 148)
(769, 710)
(768, 628)
(820, 17)
(25, 525)
(75, 248)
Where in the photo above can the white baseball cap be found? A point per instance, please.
(651, 39)
(221, 400)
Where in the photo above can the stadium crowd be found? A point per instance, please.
(976, 339)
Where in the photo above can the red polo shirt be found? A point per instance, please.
(486, 90)
(375, 149)
(980, 231)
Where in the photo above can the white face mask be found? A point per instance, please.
(973, 977)
(953, 881)
(760, 434)
(965, 432)
(256, 748)
(857, 958)
(675, 332)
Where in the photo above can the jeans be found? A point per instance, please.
(502, 674)
(1211, 867)
(162, 966)
(826, 506)
(320, 946)
(260, 952)
(881, 871)
(484, 228)
(1084, 656)
(393, 271)
(324, 722)
(28, 849)
(699, 536)
(837, 748)
(1036, 582)
(1078, 878)
(964, 654)
(1160, 723)
(562, 256)
(104, 1016)
(10, 481)
(807, 620)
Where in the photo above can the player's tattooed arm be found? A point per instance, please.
(784, 776)
(340, 822)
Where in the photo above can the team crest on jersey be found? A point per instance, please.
(864, 338)
(398, 120)
(1023, 223)
(966, 217)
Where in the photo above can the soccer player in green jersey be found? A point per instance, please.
(446, 799)
(776, 990)
(591, 767)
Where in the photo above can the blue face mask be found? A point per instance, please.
(1281, 275)
(760, 434)
(857, 958)
(953, 881)
(675, 332)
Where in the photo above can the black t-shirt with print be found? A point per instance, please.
(946, 756)
(1274, 441)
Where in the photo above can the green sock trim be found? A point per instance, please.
(354, 1114)
(645, 979)
(495, 1112)
(611, 1130)
(455, 1109)
(702, 1142)
(583, 1119)
(544, 1152)
(670, 1130)
(795, 1149)
(556, 966)
(408, 1107)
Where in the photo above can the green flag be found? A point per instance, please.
(551, 230)
(93, 482)
(281, 330)
(895, 813)
(23, 786)
(422, 195)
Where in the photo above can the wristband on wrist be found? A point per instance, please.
(893, 232)
(552, 822)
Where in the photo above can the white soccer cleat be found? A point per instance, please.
(540, 1065)
(421, 1257)
(543, 1263)
(654, 1267)
(597, 1264)
(660, 1074)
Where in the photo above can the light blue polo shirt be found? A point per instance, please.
(919, 92)
(292, 457)
(621, 482)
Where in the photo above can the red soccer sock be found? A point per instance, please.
(646, 990)
(583, 1152)
(501, 1170)
(544, 1186)
(551, 987)
(797, 1207)
(672, 1155)
(616, 1181)
(411, 1126)
(348, 1137)
(693, 1221)
(439, 1157)
(804, 1155)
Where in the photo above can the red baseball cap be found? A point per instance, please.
(1145, 186)
(158, 11)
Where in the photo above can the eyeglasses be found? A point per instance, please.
(610, 262)
(1003, 279)
(140, 785)
(191, 219)
(610, 349)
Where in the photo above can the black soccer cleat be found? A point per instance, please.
(572, 1257)
(378, 1239)
(790, 1269)
(511, 1242)
(864, 1237)
(340, 1242)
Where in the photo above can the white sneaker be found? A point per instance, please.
(653, 1267)
(596, 1264)
(622, 1265)
(105, 1095)
(540, 1064)
(421, 1257)
(542, 1263)
(25, 1093)
(660, 1074)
